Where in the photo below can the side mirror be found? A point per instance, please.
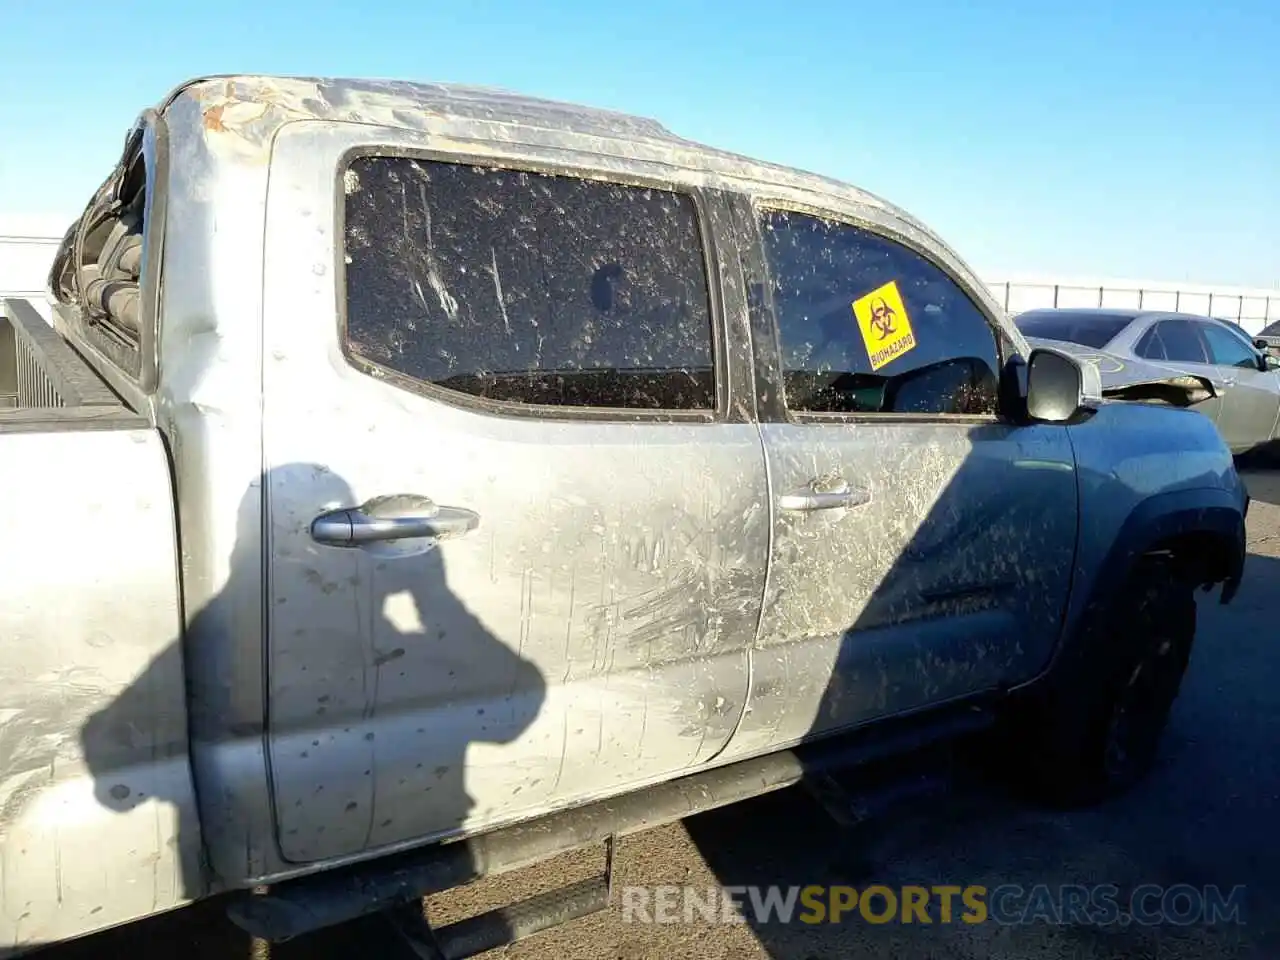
(1272, 362)
(1058, 386)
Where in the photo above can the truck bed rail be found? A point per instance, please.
(40, 370)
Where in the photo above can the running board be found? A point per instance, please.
(852, 806)
(497, 928)
(339, 895)
(502, 926)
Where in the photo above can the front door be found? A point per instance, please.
(1251, 403)
(922, 550)
(527, 391)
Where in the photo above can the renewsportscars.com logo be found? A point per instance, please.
(1009, 904)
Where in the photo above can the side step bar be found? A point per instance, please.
(500, 927)
(301, 906)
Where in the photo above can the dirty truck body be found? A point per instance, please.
(417, 464)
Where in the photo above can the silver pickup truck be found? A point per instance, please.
(419, 481)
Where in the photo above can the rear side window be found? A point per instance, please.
(1094, 331)
(867, 325)
(527, 288)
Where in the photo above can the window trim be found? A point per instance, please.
(155, 220)
(779, 411)
(712, 256)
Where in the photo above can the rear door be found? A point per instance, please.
(1179, 343)
(1252, 401)
(527, 376)
(922, 549)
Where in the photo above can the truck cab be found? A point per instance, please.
(464, 459)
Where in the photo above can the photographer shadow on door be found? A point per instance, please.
(137, 746)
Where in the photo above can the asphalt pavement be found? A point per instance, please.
(1203, 826)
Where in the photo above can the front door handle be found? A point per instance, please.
(393, 517)
(810, 500)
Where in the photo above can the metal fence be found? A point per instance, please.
(25, 259)
(1250, 308)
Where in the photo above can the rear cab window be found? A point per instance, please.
(867, 325)
(99, 267)
(522, 290)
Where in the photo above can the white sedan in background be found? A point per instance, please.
(1175, 358)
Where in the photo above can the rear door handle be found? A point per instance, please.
(393, 517)
(811, 500)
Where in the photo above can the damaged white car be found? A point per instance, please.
(1173, 358)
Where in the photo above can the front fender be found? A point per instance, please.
(1217, 513)
(1212, 511)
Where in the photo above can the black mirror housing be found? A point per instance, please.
(1013, 388)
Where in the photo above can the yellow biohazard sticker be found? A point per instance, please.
(884, 324)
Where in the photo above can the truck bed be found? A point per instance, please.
(44, 381)
(93, 738)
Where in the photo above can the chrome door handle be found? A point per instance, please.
(823, 500)
(394, 517)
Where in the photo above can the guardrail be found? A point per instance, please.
(38, 369)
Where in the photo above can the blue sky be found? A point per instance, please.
(1123, 139)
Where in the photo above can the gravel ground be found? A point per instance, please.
(1206, 817)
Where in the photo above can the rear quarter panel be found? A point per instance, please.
(97, 809)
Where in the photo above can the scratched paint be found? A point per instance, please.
(950, 579)
(92, 728)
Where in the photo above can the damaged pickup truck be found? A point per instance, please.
(421, 481)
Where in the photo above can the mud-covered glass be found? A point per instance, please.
(527, 288)
(867, 325)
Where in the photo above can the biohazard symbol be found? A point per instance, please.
(882, 317)
(884, 324)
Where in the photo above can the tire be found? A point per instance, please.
(1098, 731)
(1264, 456)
